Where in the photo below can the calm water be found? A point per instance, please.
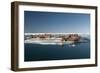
(36, 52)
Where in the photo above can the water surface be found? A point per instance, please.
(38, 52)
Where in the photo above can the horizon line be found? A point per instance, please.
(53, 33)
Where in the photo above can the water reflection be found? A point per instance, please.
(73, 44)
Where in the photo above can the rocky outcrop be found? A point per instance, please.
(71, 37)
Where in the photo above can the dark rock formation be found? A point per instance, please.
(71, 37)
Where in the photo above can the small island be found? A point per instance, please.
(49, 38)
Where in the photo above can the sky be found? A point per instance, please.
(56, 22)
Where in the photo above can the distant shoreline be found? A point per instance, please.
(55, 33)
(57, 38)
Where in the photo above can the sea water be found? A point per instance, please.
(39, 52)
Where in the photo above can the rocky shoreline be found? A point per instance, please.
(54, 39)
